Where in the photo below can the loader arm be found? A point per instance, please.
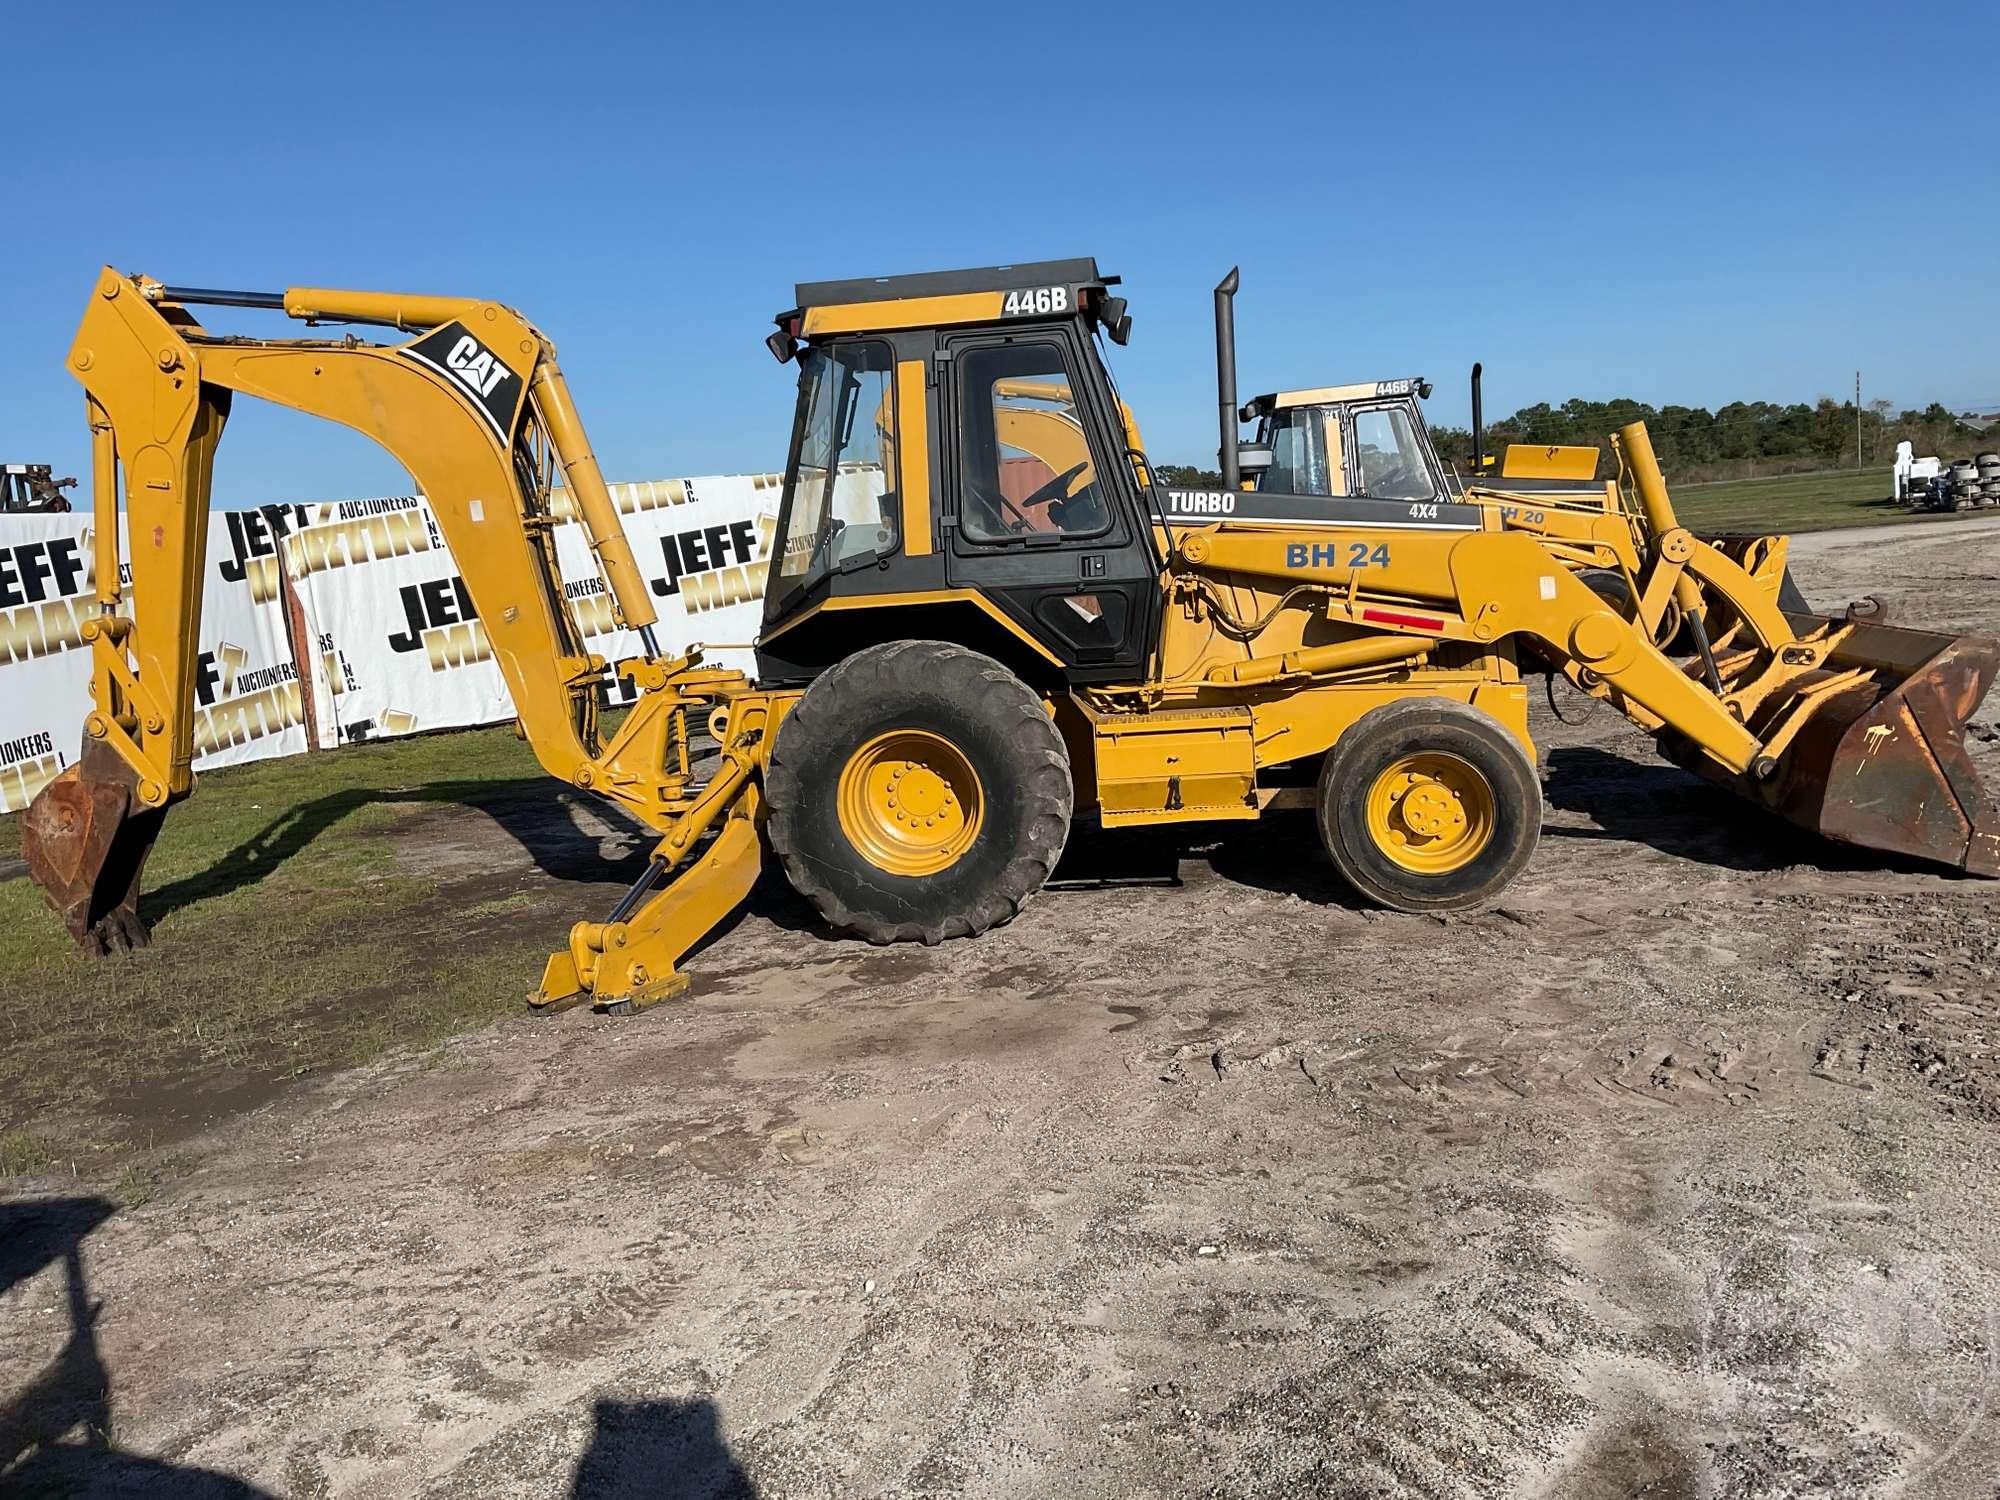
(476, 409)
(1850, 728)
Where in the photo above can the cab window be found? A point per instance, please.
(1297, 437)
(839, 499)
(1026, 467)
(1389, 458)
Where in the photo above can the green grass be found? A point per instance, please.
(23, 1154)
(297, 929)
(141, 1182)
(1790, 502)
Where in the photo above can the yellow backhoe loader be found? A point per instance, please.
(952, 668)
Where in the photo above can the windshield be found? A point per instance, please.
(1388, 458)
(839, 500)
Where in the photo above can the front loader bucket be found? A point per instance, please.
(1883, 764)
(86, 838)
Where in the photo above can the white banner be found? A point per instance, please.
(399, 645)
(393, 644)
(703, 547)
(45, 595)
(247, 692)
(247, 696)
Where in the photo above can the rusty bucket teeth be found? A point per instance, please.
(1884, 765)
(86, 838)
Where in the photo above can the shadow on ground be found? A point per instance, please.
(659, 1450)
(1678, 813)
(533, 810)
(56, 1433)
(57, 1438)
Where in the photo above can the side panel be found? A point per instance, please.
(1176, 766)
(913, 449)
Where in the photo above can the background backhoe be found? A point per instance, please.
(955, 662)
(1369, 439)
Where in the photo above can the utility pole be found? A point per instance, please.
(1857, 421)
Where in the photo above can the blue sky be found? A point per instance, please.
(1692, 204)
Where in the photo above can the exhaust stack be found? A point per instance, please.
(1225, 378)
(1478, 425)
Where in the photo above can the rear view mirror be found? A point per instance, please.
(1113, 318)
(1253, 458)
(781, 345)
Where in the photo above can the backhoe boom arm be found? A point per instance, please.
(474, 406)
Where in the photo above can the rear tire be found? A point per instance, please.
(918, 792)
(1429, 805)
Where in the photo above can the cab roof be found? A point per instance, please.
(1081, 271)
(982, 294)
(1327, 395)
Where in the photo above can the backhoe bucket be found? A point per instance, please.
(1883, 764)
(86, 838)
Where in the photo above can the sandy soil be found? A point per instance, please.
(1673, 1176)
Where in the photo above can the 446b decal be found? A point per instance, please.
(1041, 299)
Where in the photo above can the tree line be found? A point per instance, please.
(1740, 440)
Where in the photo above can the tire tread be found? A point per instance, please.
(1002, 699)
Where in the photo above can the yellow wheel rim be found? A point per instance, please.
(910, 801)
(1431, 812)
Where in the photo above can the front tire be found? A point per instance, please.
(1429, 805)
(918, 791)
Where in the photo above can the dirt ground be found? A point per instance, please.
(1672, 1176)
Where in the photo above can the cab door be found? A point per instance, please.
(1389, 454)
(1040, 510)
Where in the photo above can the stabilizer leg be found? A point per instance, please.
(627, 962)
(629, 965)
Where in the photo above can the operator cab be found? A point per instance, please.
(958, 445)
(1366, 440)
(1370, 439)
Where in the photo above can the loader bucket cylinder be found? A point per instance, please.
(86, 838)
(1883, 764)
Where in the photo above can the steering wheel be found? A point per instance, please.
(1393, 485)
(1057, 488)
